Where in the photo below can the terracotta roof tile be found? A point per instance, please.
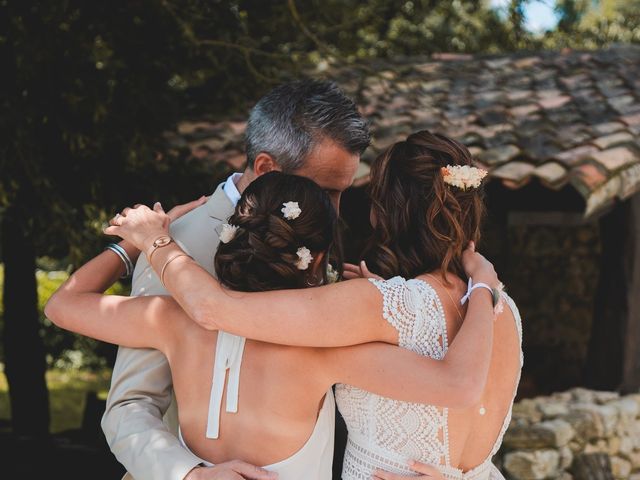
(631, 119)
(572, 136)
(575, 156)
(615, 158)
(212, 144)
(621, 103)
(613, 140)
(519, 95)
(608, 128)
(475, 151)
(526, 62)
(630, 181)
(561, 117)
(498, 155)
(586, 178)
(552, 174)
(555, 101)
(524, 110)
(516, 172)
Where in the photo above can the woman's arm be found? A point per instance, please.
(456, 381)
(343, 314)
(80, 306)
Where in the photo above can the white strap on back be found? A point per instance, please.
(229, 350)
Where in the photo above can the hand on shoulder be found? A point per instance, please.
(477, 267)
(428, 472)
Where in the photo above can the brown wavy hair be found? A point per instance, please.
(262, 255)
(421, 224)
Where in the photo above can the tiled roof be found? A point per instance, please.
(565, 119)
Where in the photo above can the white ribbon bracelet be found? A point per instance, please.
(471, 287)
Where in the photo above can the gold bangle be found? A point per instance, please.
(164, 267)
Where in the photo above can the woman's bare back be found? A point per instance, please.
(473, 431)
(279, 399)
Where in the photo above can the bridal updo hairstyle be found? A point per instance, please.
(421, 224)
(263, 253)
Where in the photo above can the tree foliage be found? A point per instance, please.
(586, 24)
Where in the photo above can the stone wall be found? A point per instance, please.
(547, 434)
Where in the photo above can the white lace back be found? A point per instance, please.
(385, 433)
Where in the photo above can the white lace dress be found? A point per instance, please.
(385, 433)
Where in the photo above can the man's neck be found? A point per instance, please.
(243, 182)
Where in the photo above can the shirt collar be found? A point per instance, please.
(230, 189)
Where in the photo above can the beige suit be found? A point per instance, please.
(141, 388)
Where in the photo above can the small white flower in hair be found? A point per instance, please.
(304, 258)
(228, 233)
(291, 210)
(463, 176)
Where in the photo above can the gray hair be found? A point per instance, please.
(291, 119)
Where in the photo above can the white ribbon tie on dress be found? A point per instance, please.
(229, 350)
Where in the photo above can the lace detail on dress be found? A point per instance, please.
(385, 433)
(413, 308)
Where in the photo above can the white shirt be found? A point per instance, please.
(230, 189)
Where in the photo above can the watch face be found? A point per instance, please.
(162, 241)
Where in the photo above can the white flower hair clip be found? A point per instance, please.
(304, 258)
(291, 210)
(228, 233)
(463, 176)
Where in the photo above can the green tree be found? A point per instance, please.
(89, 88)
(595, 24)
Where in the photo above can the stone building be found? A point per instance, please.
(560, 134)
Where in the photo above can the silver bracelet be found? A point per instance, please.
(122, 253)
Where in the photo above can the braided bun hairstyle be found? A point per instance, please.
(263, 253)
(421, 223)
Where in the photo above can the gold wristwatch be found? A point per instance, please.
(161, 241)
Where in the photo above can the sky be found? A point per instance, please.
(539, 13)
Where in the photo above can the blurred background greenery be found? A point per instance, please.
(88, 90)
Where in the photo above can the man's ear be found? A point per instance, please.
(265, 163)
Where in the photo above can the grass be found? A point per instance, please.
(67, 390)
(67, 387)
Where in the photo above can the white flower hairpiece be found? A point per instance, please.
(304, 258)
(228, 233)
(291, 210)
(463, 176)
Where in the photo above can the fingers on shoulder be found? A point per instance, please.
(428, 470)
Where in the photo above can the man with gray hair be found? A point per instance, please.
(308, 128)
